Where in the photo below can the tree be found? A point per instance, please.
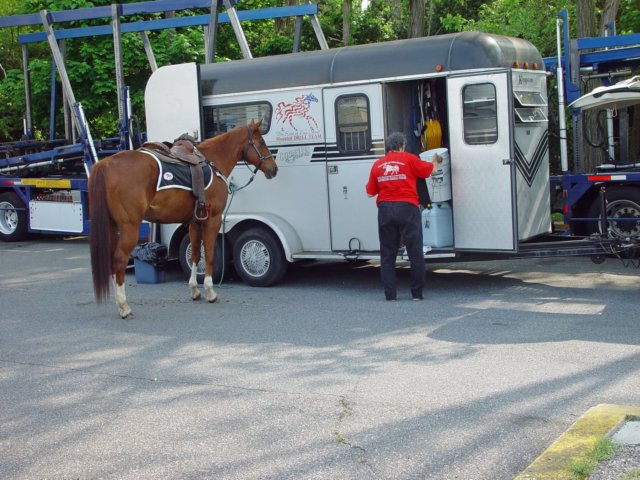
(416, 20)
(346, 21)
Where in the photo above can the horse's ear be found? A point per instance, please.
(255, 125)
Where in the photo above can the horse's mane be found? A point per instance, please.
(221, 137)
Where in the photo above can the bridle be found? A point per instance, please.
(261, 158)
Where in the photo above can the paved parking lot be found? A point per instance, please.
(317, 378)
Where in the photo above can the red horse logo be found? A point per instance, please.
(286, 112)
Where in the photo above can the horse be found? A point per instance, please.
(122, 193)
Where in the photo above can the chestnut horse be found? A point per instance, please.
(122, 192)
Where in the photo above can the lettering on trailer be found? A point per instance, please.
(296, 119)
(296, 154)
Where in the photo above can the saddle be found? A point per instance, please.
(183, 151)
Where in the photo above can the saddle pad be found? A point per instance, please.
(173, 175)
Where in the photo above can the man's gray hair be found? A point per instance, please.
(395, 141)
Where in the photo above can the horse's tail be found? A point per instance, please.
(100, 235)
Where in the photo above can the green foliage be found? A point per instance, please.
(90, 61)
(629, 17)
(533, 20)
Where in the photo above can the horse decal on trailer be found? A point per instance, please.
(286, 112)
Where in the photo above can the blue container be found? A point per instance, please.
(147, 273)
(437, 225)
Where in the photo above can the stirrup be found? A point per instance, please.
(200, 206)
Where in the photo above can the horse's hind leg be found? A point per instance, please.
(126, 241)
(195, 237)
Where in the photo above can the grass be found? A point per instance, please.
(581, 468)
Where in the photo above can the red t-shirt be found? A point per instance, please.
(393, 177)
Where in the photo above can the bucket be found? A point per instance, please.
(437, 225)
(439, 183)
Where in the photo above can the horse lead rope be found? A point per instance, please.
(232, 190)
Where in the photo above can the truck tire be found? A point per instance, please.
(13, 218)
(219, 267)
(258, 257)
(623, 202)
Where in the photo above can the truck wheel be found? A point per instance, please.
(13, 218)
(622, 203)
(218, 267)
(258, 258)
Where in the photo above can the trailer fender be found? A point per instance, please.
(286, 234)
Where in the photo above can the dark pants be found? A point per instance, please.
(400, 221)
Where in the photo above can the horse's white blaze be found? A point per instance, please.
(209, 292)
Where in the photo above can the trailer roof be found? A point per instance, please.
(416, 56)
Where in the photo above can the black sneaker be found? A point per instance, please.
(417, 299)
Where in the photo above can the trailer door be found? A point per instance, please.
(482, 170)
(354, 135)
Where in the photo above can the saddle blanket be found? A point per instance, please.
(173, 175)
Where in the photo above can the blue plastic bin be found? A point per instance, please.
(147, 273)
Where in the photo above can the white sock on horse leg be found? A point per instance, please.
(193, 282)
(121, 301)
(209, 292)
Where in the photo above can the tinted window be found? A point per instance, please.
(353, 126)
(222, 118)
(479, 113)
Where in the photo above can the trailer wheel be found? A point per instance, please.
(258, 258)
(219, 267)
(623, 203)
(13, 218)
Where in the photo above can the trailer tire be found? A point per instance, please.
(621, 202)
(13, 218)
(258, 257)
(220, 268)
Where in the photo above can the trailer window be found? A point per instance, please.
(353, 126)
(479, 113)
(222, 118)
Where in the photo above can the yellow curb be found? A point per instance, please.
(581, 437)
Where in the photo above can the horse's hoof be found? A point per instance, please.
(195, 295)
(126, 314)
(213, 298)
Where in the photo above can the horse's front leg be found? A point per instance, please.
(211, 228)
(195, 237)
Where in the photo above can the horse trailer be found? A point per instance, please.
(477, 97)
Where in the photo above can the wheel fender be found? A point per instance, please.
(287, 235)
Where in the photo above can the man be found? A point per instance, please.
(393, 179)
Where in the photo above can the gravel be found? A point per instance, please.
(626, 459)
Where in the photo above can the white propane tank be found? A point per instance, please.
(437, 225)
(439, 183)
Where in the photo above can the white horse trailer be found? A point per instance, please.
(325, 116)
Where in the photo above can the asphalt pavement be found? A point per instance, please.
(316, 378)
